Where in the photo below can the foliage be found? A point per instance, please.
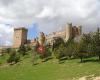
(48, 51)
(59, 52)
(45, 55)
(67, 50)
(23, 50)
(86, 47)
(58, 48)
(70, 49)
(58, 42)
(97, 43)
(8, 50)
(13, 57)
(28, 48)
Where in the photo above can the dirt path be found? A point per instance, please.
(90, 77)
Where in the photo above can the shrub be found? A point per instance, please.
(8, 50)
(70, 49)
(28, 48)
(59, 52)
(48, 52)
(13, 57)
(57, 42)
(22, 50)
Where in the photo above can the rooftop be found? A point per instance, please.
(21, 28)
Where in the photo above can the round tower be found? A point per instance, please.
(68, 31)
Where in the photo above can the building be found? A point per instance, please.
(20, 37)
(33, 42)
(70, 31)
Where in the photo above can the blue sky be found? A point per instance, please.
(6, 33)
(33, 31)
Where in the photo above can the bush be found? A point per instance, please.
(57, 42)
(13, 57)
(59, 52)
(70, 49)
(23, 50)
(8, 50)
(28, 48)
(48, 52)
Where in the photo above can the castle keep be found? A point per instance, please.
(20, 37)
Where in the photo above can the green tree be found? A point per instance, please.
(28, 48)
(13, 57)
(57, 42)
(8, 50)
(22, 50)
(58, 48)
(97, 43)
(85, 47)
(59, 52)
(70, 49)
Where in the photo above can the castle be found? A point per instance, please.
(70, 31)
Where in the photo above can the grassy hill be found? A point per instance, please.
(50, 70)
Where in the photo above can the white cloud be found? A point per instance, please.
(0, 35)
(49, 15)
(47, 12)
(6, 33)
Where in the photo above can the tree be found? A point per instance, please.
(97, 43)
(57, 42)
(8, 50)
(13, 57)
(85, 47)
(28, 48)
(70, 48)
(58, 47)
(23, 50)
(59, 52)
(81, 50)
(48, 51)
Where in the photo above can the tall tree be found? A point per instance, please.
(86, 47)
(22, 50)
(97, 43)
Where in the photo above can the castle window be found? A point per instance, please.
(17, 37)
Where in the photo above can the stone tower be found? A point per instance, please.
(72, 31)
(20, 37)
(68, 31)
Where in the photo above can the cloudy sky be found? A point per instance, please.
(46, 16)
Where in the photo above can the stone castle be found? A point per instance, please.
(70, 31)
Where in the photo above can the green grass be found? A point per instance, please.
(3, 59)
(50, 70)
